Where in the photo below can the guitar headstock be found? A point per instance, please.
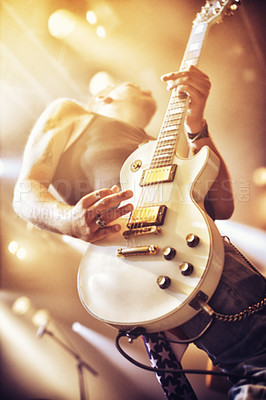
(215, 10)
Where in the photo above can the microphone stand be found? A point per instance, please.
(80, 362)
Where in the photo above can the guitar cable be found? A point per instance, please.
(134, 334)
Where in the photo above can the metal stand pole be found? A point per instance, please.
(80, 362)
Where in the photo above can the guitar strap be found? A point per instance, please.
(175, 385)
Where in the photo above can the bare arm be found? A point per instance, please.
(32, 199)
(219, 200)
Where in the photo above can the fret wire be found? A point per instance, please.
(170, 122)
(166, 139)
(193, 55)
(174, 118)
(177, 103)
(196, 38)
(165, 148)
(161, 151)
(173, 121)
(190, 58)
(171, 127)
(170, 134)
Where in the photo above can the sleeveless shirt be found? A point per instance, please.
(95, 159)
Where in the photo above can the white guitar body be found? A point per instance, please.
(123, 291)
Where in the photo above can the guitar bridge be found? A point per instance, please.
(147, 216)
(138, 251)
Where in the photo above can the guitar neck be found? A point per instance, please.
(173, 123)
(177, 107)
(195, 45)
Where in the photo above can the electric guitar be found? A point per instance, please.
(168, 260)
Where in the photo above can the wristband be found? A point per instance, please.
(204, 133)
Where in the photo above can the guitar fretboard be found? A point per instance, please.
(167, 140)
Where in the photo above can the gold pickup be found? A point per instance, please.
(158, 175)
(146, 216)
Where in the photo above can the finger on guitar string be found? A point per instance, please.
(95, 196)
(190, 71)
(113, 214)
(82, 220)
(92, 232)
(188, 81)
(103, 233)
(190, 85)
(108, 203)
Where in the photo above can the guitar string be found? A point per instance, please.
(143, 193)
(176, 104)
(174, 116)
(147, 190)
(169, 136)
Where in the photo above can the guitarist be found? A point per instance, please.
(78, 150)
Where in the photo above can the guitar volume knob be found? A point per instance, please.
(169, 253)
(163, 282)
(186, 268)
(192, 240)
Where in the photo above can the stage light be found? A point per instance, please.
(41, 317)
(91, 17)
(61, 23)
(234, 7)
(21, 305)
(101, 32)
(13, 247)
(1, 167)
(259, 176)
(21, 253)
(100, 81)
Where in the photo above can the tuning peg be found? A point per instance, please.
(233, 7)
